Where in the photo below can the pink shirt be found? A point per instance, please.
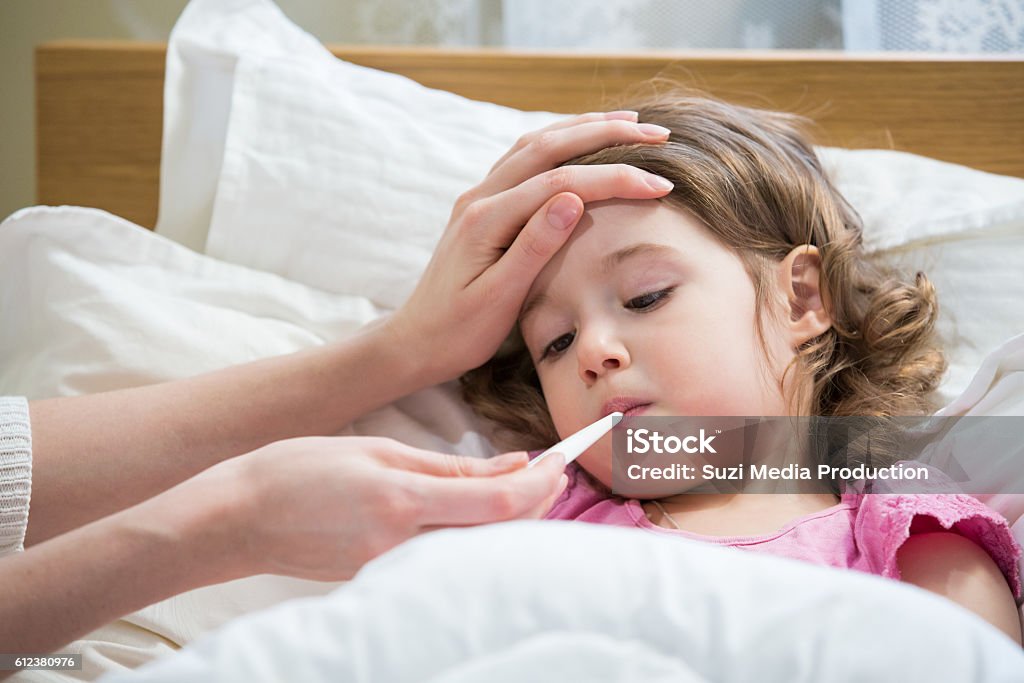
(862, 531)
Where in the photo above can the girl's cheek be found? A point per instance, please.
(597, 461)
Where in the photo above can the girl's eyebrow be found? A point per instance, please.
(608, 263)
(531, 305)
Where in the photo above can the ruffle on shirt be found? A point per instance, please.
(884, 522)
(581, 492)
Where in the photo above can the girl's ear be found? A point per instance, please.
(800, 282)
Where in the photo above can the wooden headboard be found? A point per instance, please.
(99, 104)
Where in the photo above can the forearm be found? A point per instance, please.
(96, 454)
(66, 587)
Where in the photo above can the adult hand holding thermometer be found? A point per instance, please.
(574, 445)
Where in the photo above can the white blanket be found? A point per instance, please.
(560, 601)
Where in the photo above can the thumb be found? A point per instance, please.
(449, 465)
(544, 234)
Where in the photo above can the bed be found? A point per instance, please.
(194, 140)
(99, 104)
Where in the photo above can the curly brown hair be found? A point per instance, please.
(751, 176)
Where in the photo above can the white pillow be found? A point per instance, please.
(201, 55)
(962, 227)
(343, 177)
(102, 304)
(908, 200)
(360, 166)
(91, 302)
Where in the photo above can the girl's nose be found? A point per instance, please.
(600, 353)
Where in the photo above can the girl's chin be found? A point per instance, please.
(598, 463)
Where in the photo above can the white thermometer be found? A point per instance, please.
(574, 445)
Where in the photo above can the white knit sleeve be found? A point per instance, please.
(15, 472)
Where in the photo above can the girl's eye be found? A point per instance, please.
(640, 303)
(649, 299)
(556, 347)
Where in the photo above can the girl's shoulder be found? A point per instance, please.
(884, 521)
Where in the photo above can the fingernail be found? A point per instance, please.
(622, 114)
(653, 130)
(563, 213)
(562, 483)
(557, 457)
(656, 182)
(507, 460)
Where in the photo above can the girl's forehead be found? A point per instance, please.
(619, 212)
(615, 224)
(609, 229)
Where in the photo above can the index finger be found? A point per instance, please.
(480, 500)
(524, 140)
(441, 464)
(510, 221)
(554, 148)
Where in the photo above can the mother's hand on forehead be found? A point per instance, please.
(503, 231)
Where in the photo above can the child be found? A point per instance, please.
(743, 292)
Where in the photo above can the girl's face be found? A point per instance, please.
(643, 312)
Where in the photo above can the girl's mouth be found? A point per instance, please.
(636, 410)
(627, 405)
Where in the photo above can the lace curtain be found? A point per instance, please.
(931, 25)
(934, 25)
(611, 24)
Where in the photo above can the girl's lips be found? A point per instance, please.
(627, 405)
(636, 410)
